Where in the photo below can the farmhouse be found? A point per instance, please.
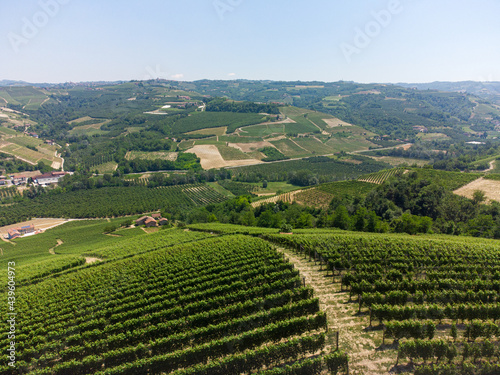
(18, 232)
(163, 221)
(141, 220)
(150, 222)
(156, 216)
(49, 178)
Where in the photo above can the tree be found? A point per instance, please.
(264, 184)
(478, 196)
(341, 218)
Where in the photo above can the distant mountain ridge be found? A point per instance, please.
(485, 90)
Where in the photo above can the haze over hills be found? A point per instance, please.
(486, 90)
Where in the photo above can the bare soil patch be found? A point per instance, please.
(490, 188)
(211, 158)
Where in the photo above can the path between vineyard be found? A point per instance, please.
(59, 243)
(361, 345)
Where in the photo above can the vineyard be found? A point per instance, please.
(322, 195)
(428, 300)
(380, 177)
(111, 201)
(218, 306)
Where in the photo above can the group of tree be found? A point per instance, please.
(404, 204)
(225, 105)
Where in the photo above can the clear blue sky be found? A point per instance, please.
(326, 40)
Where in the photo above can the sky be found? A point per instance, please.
(324, 40)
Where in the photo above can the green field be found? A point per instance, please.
(203, 120)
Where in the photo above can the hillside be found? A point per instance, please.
(273, 304)
(234, 123)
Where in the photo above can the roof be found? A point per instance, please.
(149, 220)
(50, 175)
(156, 215)
(142, 218)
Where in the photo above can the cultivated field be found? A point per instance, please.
(491, 189)
(211, 158)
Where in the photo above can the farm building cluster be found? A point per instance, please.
(152, 221)
(41, 179)
(21, 231)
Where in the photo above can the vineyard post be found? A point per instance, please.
(304, 281)
(337, 335)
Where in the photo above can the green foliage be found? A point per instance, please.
(272, 154)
